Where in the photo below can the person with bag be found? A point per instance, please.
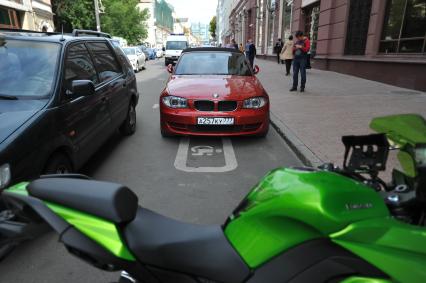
(300, 51)
(287, 54)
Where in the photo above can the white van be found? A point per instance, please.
(174, 46)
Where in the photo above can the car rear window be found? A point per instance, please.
(213, 63)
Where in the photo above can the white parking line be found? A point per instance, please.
(228, 151)
(155, 106)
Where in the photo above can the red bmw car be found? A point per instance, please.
(213, 92)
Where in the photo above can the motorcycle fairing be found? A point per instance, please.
(397, 248)
(311, 204)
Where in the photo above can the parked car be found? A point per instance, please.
(151, 54)
(159, 52)
(220, 97)
(136, 57)
(61, 98)
(144, 49)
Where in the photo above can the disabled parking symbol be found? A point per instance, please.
(205, 155)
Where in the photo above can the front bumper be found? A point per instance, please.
(184, 122)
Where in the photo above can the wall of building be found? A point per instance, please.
(30, 14)
(333, 50)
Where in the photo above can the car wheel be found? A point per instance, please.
(137, 67)
(129, 125)
(59, 163)
(165, 134)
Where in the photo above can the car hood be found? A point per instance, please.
(14, 113)
(203, 87)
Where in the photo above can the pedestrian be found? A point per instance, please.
(308, 58)
(277, 49)
(234, 44)
(300, 50)
(250, 52)
(287, 54)
(241, 47)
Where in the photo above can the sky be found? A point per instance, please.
(196, 10)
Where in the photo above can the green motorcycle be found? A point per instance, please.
(296, 225)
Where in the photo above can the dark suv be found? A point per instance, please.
(61, 97)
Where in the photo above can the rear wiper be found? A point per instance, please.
(8, 97)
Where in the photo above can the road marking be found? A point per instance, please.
(182, 156)
(155, 106)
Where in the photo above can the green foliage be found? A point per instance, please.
(123, 18)
(119, 18)
(74, 14)
(213, 27)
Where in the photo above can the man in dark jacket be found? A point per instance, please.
(301, 48)
(250, 52)
(277, 49)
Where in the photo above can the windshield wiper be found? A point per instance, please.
(8, 97)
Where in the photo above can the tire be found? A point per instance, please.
(128, 127)
(58, 163)
(165, 134)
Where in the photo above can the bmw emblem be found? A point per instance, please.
(215, 95)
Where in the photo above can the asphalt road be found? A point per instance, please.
(198, 180)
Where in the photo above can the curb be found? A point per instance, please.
(307, 157)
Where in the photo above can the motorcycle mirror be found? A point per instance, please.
(170, 68)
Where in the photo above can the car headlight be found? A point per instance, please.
(255, 102)
(5, 175)
(175, 101)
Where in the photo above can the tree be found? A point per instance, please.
(120, 18)
(74, 14)
(213, 27)
(123, 18)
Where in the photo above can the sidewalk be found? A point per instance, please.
(332, 105)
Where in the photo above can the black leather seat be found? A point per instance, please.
(112, 202)
(169, 244)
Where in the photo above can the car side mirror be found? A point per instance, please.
(170, 68)
(256, 69)
(82, 88)
(164, 49)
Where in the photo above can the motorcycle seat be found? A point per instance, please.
(199, 250)
(112, 202)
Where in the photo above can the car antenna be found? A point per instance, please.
(62, 33)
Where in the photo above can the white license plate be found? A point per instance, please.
(215, 121)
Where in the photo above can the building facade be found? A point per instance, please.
(160, 22)
(26, 14)
(201, 32)
(381, 40)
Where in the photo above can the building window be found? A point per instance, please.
(286, 24)
(8, 19)
(357, 31)
(404, 28)
(311, 24)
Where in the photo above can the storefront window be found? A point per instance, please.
(286, 31)
(311, 25)
(357, 29)
(404, 29)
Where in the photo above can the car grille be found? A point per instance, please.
(204, 105)
(208, 105)
(227, 105)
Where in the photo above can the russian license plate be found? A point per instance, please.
(215, 121)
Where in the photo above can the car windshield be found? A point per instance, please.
(129, 51)
(176, 45)
(214, 63)
(27, 68)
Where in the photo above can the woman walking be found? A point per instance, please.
(287, 54)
